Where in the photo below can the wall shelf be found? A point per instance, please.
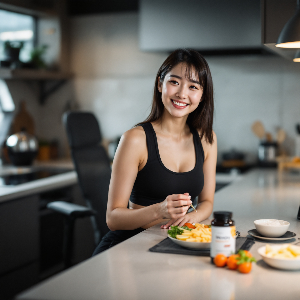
(41, 76)
(31, 74)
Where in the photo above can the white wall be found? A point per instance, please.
(115, 80)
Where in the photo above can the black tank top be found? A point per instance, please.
(155, 182)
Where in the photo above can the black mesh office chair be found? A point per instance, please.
(93, 169)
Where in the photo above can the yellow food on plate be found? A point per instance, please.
(201, 234)
(289, 252)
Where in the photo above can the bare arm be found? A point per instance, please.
(206, 197)
(130, 156)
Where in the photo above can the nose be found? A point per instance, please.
(182, 92)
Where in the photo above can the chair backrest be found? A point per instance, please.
(91, 162)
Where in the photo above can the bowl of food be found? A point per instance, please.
(271, 227)
(286, 256)
(191, 236)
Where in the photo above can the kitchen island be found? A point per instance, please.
(66, 178)
(130, 271)
(31, 235)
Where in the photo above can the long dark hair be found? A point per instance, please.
(202, 117)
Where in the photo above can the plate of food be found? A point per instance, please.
(285, 256)
(192, 236)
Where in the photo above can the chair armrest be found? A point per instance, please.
(70, 209)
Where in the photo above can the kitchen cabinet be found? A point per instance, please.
(19, 246)
(31, 236)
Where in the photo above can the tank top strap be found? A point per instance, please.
(197, 142)
(151, 142)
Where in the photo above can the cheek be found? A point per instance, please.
(197, 98)
(168, 91)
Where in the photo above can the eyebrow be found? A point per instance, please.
(191, 80)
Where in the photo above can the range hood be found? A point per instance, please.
(215, 26)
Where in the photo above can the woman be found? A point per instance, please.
(165, 162)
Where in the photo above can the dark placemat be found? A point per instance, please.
(167, 246)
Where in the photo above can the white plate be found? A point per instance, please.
(279, 263)
(191, 245)
(287, 236)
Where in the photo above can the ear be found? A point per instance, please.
(159, 85)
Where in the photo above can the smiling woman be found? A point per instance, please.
(161, 163)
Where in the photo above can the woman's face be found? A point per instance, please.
(180, 95)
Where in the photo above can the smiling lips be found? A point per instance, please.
(179, 104)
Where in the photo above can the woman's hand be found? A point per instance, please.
(188, 218)
(175, 206)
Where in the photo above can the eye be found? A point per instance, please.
(173, 81)
(194, 87)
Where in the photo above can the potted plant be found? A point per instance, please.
(12, 52)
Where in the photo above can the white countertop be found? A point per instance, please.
(40, 185)
(130, 271)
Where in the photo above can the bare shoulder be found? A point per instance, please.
(134, 136)
(133, 145)
(207, 147)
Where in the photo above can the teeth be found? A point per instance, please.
(179, 103)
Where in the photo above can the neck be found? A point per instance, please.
(173, 126)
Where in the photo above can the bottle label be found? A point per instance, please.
(222, 240)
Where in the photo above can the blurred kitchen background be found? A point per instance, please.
(103, 57)
(91, 55)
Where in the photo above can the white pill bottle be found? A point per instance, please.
(222, 234)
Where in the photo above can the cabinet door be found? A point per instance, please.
(19, 233)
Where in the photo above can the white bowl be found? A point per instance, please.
(271, 227)
(191, 245)
(280, 263)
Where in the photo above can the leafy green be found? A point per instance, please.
(186, 228)
(244, 257)
(175, 230)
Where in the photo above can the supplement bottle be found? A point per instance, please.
(222, 234)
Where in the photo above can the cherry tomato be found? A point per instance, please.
(247, 253)
(189, 225)
(232, 262)
(245, 267)
(220, 260)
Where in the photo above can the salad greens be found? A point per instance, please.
(186, 228)
(175, 230)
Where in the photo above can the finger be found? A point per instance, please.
(175, 197)
(179, 210)
(178, 222)
(178, 203)
(183, 222)
(166, 226)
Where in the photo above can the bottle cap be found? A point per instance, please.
(222, 214)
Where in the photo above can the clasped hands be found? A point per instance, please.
(175, 208)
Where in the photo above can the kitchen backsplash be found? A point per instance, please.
(115, 80)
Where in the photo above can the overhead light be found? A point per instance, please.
(297, 57)
(290, 34)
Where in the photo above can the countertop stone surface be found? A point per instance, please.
(8, 193)
(130, 271)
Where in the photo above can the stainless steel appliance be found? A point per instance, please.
(267, 152)
(22, 148)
